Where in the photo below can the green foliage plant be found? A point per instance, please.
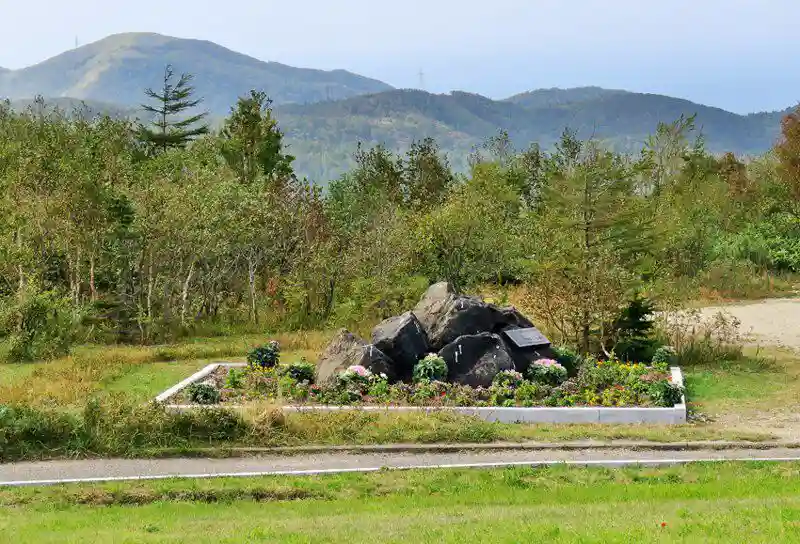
(430, 368)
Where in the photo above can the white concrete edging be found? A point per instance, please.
(194, 378)
(581, 414)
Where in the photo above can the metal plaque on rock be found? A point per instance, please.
(527, 338)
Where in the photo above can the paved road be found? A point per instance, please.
(52, 472)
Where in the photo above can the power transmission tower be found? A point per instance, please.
(421, 80)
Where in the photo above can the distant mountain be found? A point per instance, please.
(117, 69)
(546, 98)
(324, 135)
(326, 113)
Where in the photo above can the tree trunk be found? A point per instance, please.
(185, 293)
(92, 287)
(20, 269)
(251, 273)
(149, 304)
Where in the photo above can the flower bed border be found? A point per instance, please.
(675, 415)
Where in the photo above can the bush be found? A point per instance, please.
(264, 357)
(508, 378)
(547, 371)
(633, 330)
(569, 359)
(664, 357)
(38, 325)
(203, 393)
(431, 368)
(235, 379)
(665, 393)
(300, 372)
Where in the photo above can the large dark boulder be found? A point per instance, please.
(403, 340)
(510, 317)
(345, 350)
(433, 304)
(476, 359)
(463, 316)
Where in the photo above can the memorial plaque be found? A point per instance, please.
(527, 338)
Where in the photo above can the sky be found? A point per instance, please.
(739, 55)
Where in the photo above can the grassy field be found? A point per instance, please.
(695, 503)
(746, 399)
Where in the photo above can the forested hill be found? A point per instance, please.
(119, 67)
(326, 113)
(323, 135)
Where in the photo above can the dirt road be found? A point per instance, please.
(773, 322)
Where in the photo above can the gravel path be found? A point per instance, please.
(51, 472)
(773, 322)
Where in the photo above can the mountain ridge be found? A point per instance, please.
(119, 67)
(326, 113)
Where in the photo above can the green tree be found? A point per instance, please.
(253, 143)
(170, 125)
(587, 239)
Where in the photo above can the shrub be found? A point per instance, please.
(264, 357)
(300, 372)
(547, 371)
(203, 393)
(633, 331)
(39, 325)
(431, 368)
(664, 357)
(530, 393)
(235, 379)
(665, 393)
(569, 359)
(508, 378)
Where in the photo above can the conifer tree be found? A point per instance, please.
(170, 127)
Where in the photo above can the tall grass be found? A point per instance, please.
(141, 372)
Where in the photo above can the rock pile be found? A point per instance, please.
(476, 339)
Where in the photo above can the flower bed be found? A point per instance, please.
(596, 383)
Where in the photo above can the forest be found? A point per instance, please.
(114, 232)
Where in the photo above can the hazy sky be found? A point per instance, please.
(736, 54)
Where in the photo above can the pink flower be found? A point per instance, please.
(360, 370)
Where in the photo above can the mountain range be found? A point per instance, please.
(325, 113)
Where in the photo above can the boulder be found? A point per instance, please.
(462, 316)
(403, 340)
(345, 350)
(511, 317)
(433, 304)
(476, 359)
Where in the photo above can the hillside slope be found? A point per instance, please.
(118, 68)
(323, 135)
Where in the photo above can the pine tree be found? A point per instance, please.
(169, 127)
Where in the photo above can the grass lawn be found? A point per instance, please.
(745, 502)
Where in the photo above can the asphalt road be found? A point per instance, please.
(97, 470)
